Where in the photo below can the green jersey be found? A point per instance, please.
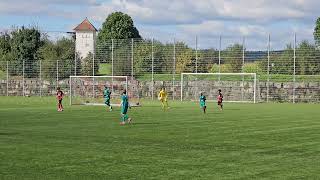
(107, 93)
(202, 100)
(125, 101)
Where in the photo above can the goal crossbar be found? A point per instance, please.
(224, 74)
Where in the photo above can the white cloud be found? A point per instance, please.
(184, 19)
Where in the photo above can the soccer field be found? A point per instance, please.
(245, 141)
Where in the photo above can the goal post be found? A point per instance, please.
(88, 90)
(236, 87)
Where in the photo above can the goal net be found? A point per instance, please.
(88, 90)
(235, 87)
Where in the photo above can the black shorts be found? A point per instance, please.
(219, 103)
(60, 101)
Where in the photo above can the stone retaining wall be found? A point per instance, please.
(233, 91)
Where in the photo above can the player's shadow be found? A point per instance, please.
(232, 109)
(145, 123)
(7, 133)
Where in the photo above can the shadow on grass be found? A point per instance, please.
(145, 123)
(231, 109)
(8, 133)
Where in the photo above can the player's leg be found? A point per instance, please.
(166, 104)
(162, 103)
(124, 115)
(107, 102)
(58, 105)
(122, 119)
(220, 105)
(204, 109)
(61, 107)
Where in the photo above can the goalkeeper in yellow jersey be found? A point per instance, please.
(162, 96)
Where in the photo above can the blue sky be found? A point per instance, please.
(179, 19)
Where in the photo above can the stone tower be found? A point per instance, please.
(86, 35)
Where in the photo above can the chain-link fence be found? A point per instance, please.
(287, 70)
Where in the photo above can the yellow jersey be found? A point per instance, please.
(162, 94)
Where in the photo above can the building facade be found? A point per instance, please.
(86, 35)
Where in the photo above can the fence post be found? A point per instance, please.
(219, 56)
(112, 46)
(23, 65)
(40, 79)
(294, 68)
(181, 86)
(57, 75)
(243, 51)
(196, 54)
(174, 68)
(254, 88)
(242, 69)
(75, 63)
(70, 90)
(268, 70)
(7, 78)
(93, 69)
(132, 58)
(152, 69)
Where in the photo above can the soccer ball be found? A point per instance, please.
(130, 120)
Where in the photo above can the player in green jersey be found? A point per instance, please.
(124, 108)
(107, 97)
(203, 102)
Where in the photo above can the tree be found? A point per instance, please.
(142, 57)
(233, 56)
(118, 26)
(61, 51)
(5, 51)
(86, 65)
(5, 44)
(25, 43)
(281, 62)
(185, 59)
(307, 61)
(206, 60)
(316, 33)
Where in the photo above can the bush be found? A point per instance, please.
(252, 68)
(214, 68)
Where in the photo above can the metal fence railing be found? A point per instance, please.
(287, 74)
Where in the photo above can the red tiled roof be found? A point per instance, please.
(85, 26)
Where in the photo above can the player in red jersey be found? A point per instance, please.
(59, 98)
(220, 99)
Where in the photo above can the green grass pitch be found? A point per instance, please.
(245, 141)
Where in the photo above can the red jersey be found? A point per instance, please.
(220, 97)
(59, 95)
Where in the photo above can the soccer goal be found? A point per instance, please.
(235, 87)
(88, 90)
